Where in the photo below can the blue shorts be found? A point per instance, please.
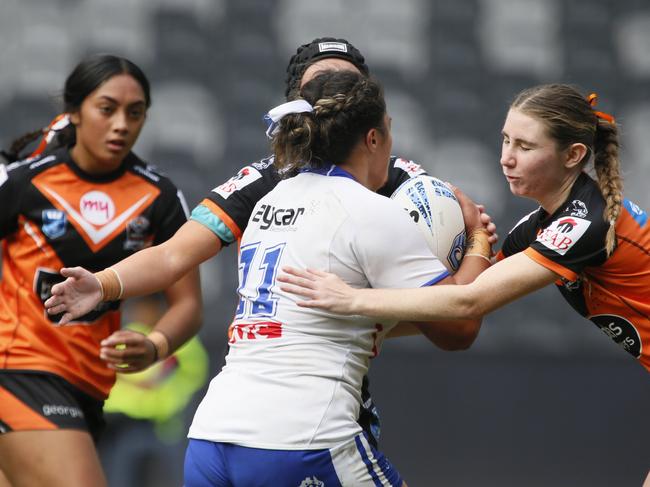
(355, 463)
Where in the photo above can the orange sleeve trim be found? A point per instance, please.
(549, 264)
(229, 222)
(500, 256)
(19, 417)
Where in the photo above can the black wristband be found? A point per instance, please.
(155, 350)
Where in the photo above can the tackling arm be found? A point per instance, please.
(499, 285)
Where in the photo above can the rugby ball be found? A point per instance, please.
(433, 207)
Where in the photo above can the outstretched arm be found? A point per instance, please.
(502, 283)
(130, 351)
(145, 272)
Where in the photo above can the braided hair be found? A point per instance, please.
(346, 106)
(18, 145)
(570, 118)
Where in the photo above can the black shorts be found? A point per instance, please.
(34, 400)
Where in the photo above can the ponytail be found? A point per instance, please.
(59, 133)
(610, 182)
(13, 153)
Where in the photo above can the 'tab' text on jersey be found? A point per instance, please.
(277, 219)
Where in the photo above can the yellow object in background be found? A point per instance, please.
(160, 393)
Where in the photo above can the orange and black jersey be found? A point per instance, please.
(233, 201)
(611, 292)
(54, 215)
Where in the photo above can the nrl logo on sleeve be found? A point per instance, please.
(243, 178)
(563, 233)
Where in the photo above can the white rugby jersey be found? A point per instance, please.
(292, 378)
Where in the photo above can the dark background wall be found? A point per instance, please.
(543, 398)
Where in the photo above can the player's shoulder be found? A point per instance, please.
(529, 220)
(32, 166)
(584, 207)
(252, 180)
(150, 173)
(264, 165)
(586, 199)
(367, 206)
(403, 165)
(400, 169)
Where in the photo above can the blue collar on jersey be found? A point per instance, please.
(331, 170)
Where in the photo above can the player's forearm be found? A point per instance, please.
(148, 271)
(476, 258)
(436, 303)
(157, 268)
(499, 285)
(470, 268)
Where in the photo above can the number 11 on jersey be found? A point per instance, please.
(258, 271)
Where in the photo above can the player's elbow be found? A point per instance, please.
(172, 264)
(464, 337)
(470, 306)
(451, 335)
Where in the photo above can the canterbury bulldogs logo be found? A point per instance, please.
(312, 482)
(279, 217)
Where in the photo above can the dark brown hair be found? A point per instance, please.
(346, 106)
(85, 78)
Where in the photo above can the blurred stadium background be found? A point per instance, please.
(543, 398)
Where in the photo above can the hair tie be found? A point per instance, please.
(60, 122)
(274, 116)
(592, 99)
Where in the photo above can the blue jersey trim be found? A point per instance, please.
(331, 170)
(637, 213)
(205, 217)
(436, 279)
